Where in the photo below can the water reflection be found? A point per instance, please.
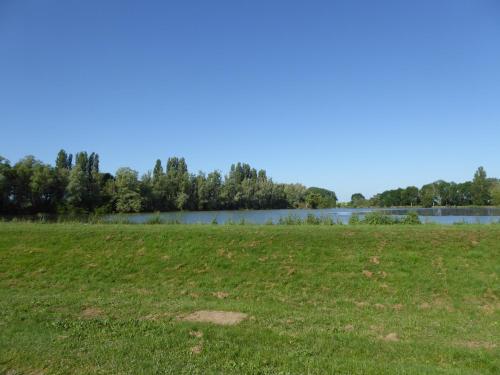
(453, 215)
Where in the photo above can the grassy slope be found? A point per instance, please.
(105, 298)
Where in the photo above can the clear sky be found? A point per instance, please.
(355, 96)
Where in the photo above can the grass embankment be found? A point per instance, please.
(319, 299)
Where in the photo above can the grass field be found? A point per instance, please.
(111, 299)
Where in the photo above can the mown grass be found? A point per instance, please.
(358, 299)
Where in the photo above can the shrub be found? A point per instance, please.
(354, 219)
(290, 220)
(411, 218)
(155, 219)
(379, 218)
(312, 220)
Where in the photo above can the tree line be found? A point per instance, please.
(481, 191)
(76, 185)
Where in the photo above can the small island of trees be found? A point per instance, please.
(77, 186)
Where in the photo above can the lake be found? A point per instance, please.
(474, 215)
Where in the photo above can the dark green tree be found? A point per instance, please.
(127, 187)
(5, 185)
(480, 188)
(358, 200)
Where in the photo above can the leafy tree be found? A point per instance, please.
(464, 193)
(295, 195)
(157, 171)
(77, 190)
(107, 192)
(43, 188)
(358, 200)
(313, 200)
(428, 195)
(176, 184)
(495, 194)
(320, 198)
(480, 188)
(5, 184)
(63, 160)
(410, 196)
(146, 188)
(21, 184)
(62, 171)
(127, 194)
(209, 190)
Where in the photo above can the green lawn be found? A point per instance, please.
(108, 299)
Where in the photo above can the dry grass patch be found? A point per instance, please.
(478, 345)
(425, 306)
(349, 328)
(361, 304)
(197, 334)
(197, 349)
(391, 337)
(155, 317)
(367, 273)
(225, 318)
(220, 295)
(91, 312)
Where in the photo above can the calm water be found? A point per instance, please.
(427, 215)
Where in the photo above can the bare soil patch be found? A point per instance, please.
(155, 317)
(197, 334)
(367, 273)
(225, 318)
(91, 312)
(361, 304)
(349, 328)
(197, 349)
(391, 337)
(478, 345)
(425, 306)
(220, 295)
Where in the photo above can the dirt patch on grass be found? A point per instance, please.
(382, 274)
(367, 273)
(27, 372)
(220, 295)
(197, 334)
(225, 318)
(349, 328)
(197, 349)
(398, 307)
(290, 271)
(391, 337)
(478, 345)
(155, 317)
(222, 252)
(425, 306)
(91, 313)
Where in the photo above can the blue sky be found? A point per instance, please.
(355, 96)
